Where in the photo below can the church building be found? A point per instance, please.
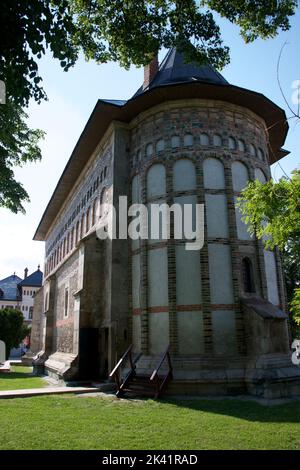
(187, 136)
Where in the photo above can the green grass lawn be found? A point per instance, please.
(70, 422)
(20, 377)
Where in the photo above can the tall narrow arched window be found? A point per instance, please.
(72, 239)
(104, 203)
(149, 150)
(77, 233)
(160, 145)
(175, 141)
(87, 220)
(204, 139)
(82, 226)
(247, 276)
(188, 140)
(94, 212)
(241, 145)
(252, 150)
(232, 143)
(217, 140)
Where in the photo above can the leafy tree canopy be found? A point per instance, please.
(12, 328)
(272, 212)
(125, 31)
(18, 145)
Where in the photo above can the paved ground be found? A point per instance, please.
(5, 367)
(44, 391)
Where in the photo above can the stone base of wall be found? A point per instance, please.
(268, 376)
(61, 366)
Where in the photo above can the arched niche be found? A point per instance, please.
(213, 173)
(184, 175)
(156, 181)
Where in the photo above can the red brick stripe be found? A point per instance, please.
(160, 309)
(189, 308)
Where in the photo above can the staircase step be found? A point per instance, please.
(139, 393)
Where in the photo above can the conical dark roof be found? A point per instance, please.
(34, 280)
(174, 70)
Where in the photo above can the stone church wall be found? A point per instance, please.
(224, 145)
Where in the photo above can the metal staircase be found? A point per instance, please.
(141, 385)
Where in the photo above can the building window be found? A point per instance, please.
(149, 150)
(204, 139)
(72, 239)
(77, 233)
(231, 143)
(87, 220)
(175, 141)
(30, 315)
(217, 140)
(160, 145)
(247, 276)
(188, 140)
(94, 212)
(260, 154)
(46, 302)
(252, 150)
(66, 310)
(241, 145)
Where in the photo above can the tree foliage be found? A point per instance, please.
(272, 212)
(18, 145)
(125, 31)
(12, 328)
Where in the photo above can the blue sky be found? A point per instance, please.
(73, 95)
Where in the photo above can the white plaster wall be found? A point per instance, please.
(188, 277)
(136, 199)
(136, 276)
(216, 215)
(158, 277)
(224, 335)
(184, 175)
(240, 176)
(159, 332)
(213, 171)
(271, 275)
(191, 200)
(221, 289)
(190, 332)
(156, 181)
(241, 227)
(160, 223)
(136, 333)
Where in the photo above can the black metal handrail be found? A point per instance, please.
(116, 371)
(161, 385)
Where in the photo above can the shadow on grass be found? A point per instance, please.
(243, 409)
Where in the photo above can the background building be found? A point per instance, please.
(19, 294)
